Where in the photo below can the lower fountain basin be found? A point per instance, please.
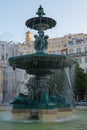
(41, 63)
(34, 115)
(78, 122)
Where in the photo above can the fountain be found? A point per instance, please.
(41, 102)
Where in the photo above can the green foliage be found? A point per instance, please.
(80, 82)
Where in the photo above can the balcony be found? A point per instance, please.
(78, 54)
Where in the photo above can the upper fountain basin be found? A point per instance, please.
(40, 23)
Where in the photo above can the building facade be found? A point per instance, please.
(14, 82)
(77, 48)
(9, 80)
(73, 45)
(1, 84)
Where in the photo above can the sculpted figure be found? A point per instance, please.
(41, 43)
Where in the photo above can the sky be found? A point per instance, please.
(70, 15)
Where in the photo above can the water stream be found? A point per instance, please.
(70, 88)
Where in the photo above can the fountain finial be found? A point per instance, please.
(40, 11)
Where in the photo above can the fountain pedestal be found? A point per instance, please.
(21, 114)
(64, 113)
(43, 115)
(48, 115)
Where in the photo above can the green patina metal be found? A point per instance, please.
(40, 11)
(33, 63)
(44, 102)
(40, 23)
(40, 64)
(41, 43)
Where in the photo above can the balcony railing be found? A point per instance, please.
(78, 54)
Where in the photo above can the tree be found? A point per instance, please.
(80, 83)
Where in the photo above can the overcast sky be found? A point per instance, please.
(70, 15)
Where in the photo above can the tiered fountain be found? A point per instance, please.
(41, 101)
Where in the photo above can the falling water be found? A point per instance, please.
(68, 76)
(70, 89)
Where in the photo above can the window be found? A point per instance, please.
(74, 40)
(70, 51)
(65, 45)
(12, 52)
(2, 57)
(85, 49)
(25, 75)
(78, 50)
(3, 46)
(6, 56)
(86, 59)
(69, 37)
(71, 43)
(86, 69)
(79, 60)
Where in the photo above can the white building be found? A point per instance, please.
(77, 48)
(11, 82)
(7, 49)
